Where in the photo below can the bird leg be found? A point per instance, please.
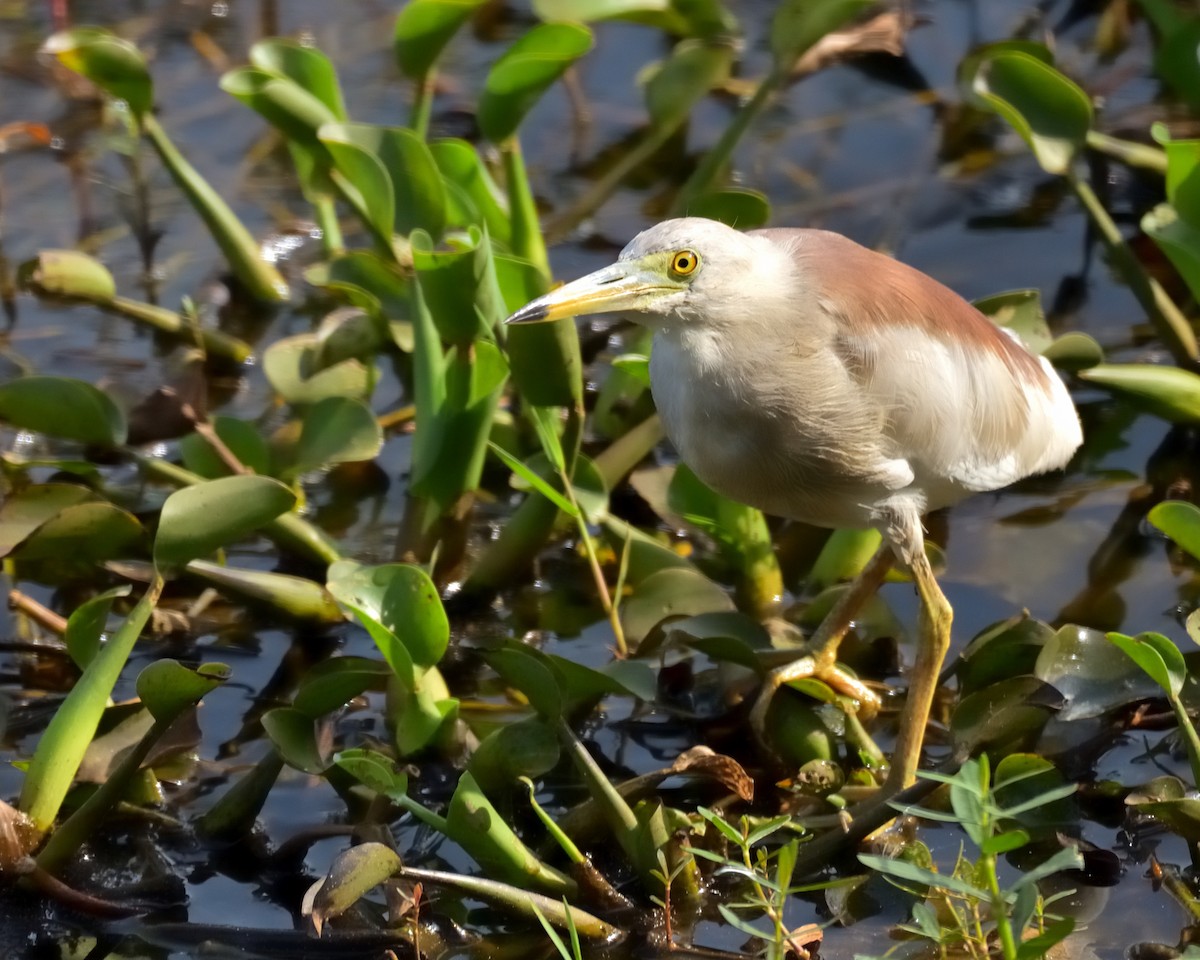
(933, 641)
(820, 660)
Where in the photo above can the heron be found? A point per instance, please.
(818, 380)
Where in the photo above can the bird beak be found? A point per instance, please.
(622, 286)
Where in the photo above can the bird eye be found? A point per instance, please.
(684, 262)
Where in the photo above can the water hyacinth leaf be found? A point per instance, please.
(1170, 392)
(1157, 656)
(968, 67)
(1021, 312)
(363, 179)
(351, 875)
(305, 66)
(1167, 799)
(241, 437)
(524, 72)
(1178, 239)
(294, 735)
(200, 519)
(1177, 63)
(116, 66)
(291, 367)
(62, 407)
(402, 600)
(332, 683)
(637, 365)
(1004, 713)
(463, 168)
(88, 532)
(707, 18)
(86, 625)
(1074, 351)
(672, 592)
(70, 274)
(1090, 672)
(1179, 520)
(375, 770)
(1183, 172)
(337, 430)
(475, 825)
(528, 748)
(740, 207)
(1051, 113)
(521, 669)
(25, 510)
(394, 174)
(459, 286)
(290, 596)
(357, 333)
(423, 28)
(1033, 790)
(292, 110)
(687, 75)
(166, 687)
(799, 24)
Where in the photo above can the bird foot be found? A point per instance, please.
(809, 665)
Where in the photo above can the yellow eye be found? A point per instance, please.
(684, 262)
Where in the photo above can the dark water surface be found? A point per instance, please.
(851, 149)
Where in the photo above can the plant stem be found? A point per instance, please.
(1169, 322)
(422, 106)
(527, 240)
(606, 600)
(325, 212)
(1139, 155)
(1008, 942)
(1190, 736)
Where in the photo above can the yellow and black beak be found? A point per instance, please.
(627, 285)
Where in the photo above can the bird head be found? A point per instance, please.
(664, 274)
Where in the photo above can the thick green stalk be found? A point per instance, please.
(80, 825)
(1140, 155)
(66, 739)
(422, 106)
(527, 240)
(1008, 943)
(1190, 737)
(260, 278)
(215, 342)
(325, 212)
(1169, 322)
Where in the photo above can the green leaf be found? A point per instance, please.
(241, 437)
(294, 735)
(86, 625)
(287, 595)
(684, 78)
(911, 873)
(1005, 842)
(200, 519)
(290, 365)
(465, 172)
(24, 511)
(62, 407)
(114, 65)
(1183, 172)
(423, 28)
(352, 874)
(1170, 392)
(375, 770)
(167, 688)
(1021, 312)
(1051, 113)
(524, 72)
(671, 592)
(738, 207)
(534, 480)
(403, 602)
(306, 67)
(332, 683)
(460, 286)
(337, 430)
(1179, 520)
(1157, 656)
(394, 173)
(799, 24)
(70, 274)
(88, 532)
(1178, 239)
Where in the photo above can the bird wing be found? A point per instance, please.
(957, 397)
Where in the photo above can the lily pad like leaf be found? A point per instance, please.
(1170, 392)
(1051, 113)
(524, 72)
(337, 430)
(294, 735)
(1157, 656)
(423, 28)
(200, 519)
(116, 66)
(166, 687)
(354, 873)
(799, 24)
(86, 625)
(1179, 520)
(62, 407)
